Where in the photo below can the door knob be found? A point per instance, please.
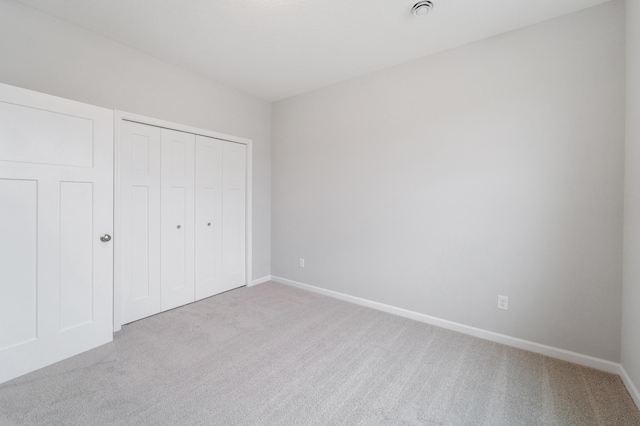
(179, 226)
(105, 238)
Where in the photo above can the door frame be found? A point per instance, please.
(119, 117)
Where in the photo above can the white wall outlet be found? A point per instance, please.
(301, 262)
(503, 303)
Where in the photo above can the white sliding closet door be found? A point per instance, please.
(56, 199)
(183, 217)
(177, 199)
(208, 225)
(140, 220)
(234, 166)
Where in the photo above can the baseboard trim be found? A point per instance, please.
(562, 354)
(262, 280)
(631, 387)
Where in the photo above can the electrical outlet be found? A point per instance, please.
(503, 303)
(301, 262)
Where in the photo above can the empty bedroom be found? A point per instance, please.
(298, 212)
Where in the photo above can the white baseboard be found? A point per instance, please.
(562, 354)
(574, 357)
(262, 280)
(631, 387)
(569, 356)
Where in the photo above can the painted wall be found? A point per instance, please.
(631, 291)
(492, 169)
(46, 54)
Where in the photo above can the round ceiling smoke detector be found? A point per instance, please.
(422, 8)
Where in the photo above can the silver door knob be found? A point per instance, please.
(178, 226)
(105, 238)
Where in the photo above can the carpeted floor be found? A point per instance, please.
(276, 355)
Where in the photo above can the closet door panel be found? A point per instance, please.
(208, 226)
(143, 243)
(233, 214)
(140, 220)
(177, 249)
(178, 238)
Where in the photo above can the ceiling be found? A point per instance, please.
(274, 49)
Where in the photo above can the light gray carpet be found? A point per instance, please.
(276, 355)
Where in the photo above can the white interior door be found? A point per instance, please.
(234, 164)
(56, 192)
(208, 224)
(139, 239)
(177, 248)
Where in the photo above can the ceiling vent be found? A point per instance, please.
(422, 8)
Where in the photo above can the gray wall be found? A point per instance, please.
(631, 292)
(46, 54)
(495, 168)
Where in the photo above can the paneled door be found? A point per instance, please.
(208, 217)
(234, 184)
(56, 217)
(177, 218)
(139, 241)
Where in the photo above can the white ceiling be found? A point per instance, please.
(275, 49)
